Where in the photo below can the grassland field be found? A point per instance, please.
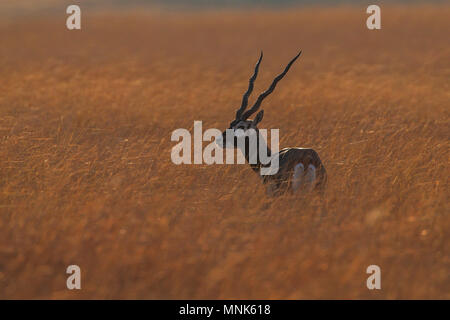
(86, 176)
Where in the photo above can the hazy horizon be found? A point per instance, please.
(53, 6)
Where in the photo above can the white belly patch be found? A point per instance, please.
(297, 178)
(304, 179)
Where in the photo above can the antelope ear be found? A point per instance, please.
(258, 117)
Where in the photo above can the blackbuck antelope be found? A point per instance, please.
(299, 169)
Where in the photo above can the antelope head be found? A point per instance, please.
(242, 126)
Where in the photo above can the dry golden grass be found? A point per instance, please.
(86, 175)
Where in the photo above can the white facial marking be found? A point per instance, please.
(239, 133)
(219, 140)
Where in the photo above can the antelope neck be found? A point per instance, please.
(261, 143)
